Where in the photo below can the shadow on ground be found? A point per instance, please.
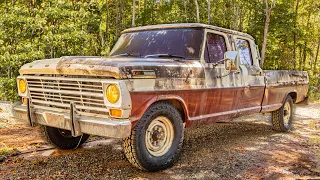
(245, 149)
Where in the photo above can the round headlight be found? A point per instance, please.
(22, 86)
(112, 93)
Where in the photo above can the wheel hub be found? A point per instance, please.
(286, 113)
(159, 136)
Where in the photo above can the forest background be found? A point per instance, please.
(39, 29)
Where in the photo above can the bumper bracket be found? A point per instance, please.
(74, 123)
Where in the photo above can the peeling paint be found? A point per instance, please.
(286, 77)
(208, 91)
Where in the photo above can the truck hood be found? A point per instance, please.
(114, 67)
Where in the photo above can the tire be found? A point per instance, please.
(156, 141)
(62, 139)
(282, 118)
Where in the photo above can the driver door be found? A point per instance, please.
(254, 85)
(223, 86)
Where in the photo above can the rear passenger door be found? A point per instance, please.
(253, 89)
(222, 86)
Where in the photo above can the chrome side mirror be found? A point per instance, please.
(232, 61)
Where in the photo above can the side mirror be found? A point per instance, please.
(232, 61)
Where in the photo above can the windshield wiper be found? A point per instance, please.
(127, 54)
(164, 55)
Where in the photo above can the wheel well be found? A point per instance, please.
(293, 95)
(179, 106)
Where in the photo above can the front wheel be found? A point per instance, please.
(282, 118)
(156, 141)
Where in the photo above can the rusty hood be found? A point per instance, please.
(114, 67)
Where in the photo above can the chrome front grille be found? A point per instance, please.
(59, 92)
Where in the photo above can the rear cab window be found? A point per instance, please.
(244, 49)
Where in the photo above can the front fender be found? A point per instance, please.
(140, 106)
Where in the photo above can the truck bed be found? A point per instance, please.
(280, 83)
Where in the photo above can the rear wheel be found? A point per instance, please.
(62, 138)
(155, 143)
(282, 118)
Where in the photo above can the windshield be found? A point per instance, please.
(184, 43)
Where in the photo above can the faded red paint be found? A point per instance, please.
(275, 95)
(205, 106)
(211, 104)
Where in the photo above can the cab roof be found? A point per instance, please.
(186, 25)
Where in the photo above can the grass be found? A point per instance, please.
(3, 123)
(7, 152)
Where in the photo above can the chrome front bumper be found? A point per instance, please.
(107, 127)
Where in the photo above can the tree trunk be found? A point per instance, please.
(265, 34)
(6, 6)
(107, 25)
(295, 36)
(133, 12)
(209, 10)
(152, 13)
(235, 15)
(197, 10)
(117, 18)
(144, 9)
(316, 58)
(304, 55)
(300, 56)
(240, 20)
(185, 9)
(122, 14)
(306, 43)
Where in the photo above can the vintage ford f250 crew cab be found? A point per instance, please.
(157, 81)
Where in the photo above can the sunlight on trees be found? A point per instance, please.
(38, 29)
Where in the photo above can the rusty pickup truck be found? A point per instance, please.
(157, 81)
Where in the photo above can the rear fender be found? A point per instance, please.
(294, 97)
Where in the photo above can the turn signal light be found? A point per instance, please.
(24, 101)
(116, 112)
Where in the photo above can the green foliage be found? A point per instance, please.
(314, 94)
(6, 152)
(37, 29)
(8, 90)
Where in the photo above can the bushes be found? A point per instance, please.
(314, 93)
(8, 89)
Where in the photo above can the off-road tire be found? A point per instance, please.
(278, 117)
(53, 136)
(135, 148)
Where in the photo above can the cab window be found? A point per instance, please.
(243, 47)
(215, 48)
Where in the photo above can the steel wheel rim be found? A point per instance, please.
(159, 136)
(286, 113)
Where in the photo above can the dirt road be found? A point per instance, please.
(246, 148)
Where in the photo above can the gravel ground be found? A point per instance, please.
(246, 148)
(5, 110)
